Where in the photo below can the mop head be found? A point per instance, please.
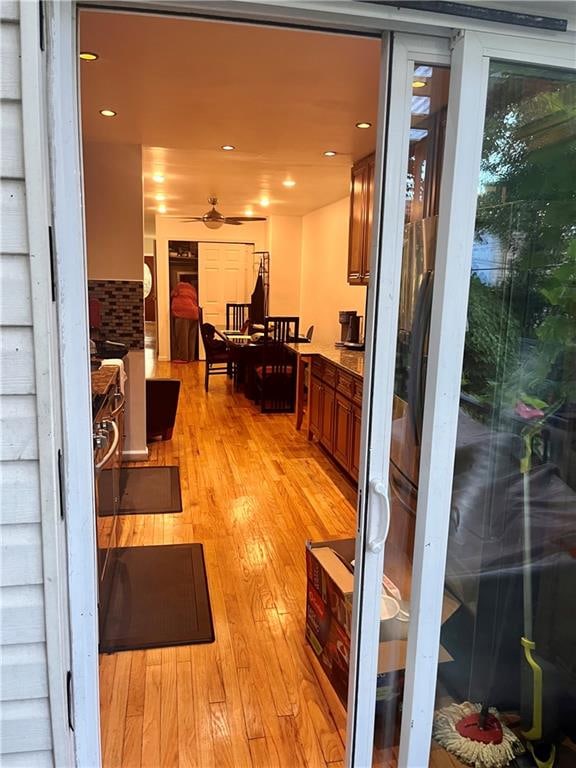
(476, 753)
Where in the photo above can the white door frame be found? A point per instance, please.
(67, 195)
(72, 298)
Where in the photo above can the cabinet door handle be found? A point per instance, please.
(378, 515)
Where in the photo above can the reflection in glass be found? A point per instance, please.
(511, 565)
(427, 130)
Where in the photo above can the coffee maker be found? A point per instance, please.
(350, 322)
(354, 333)
(345, 318)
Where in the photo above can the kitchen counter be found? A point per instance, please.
(103, 380)
(350, 360)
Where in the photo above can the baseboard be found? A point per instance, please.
(163, 359)
(141, 455)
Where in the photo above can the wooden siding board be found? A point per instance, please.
(20, 555)
(11, 141)
(19, 492)
(23, 672)
(24, 726)
(13, 234)
(22, 615)
(16, 361)
(15, 290)
(10, 86)
(18, 428)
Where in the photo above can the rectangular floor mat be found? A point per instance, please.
(156, 596)
(143, 491)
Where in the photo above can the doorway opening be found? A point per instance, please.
(272, 122)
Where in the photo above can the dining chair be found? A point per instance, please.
(218, 360)
(237, 316)
(276, 374)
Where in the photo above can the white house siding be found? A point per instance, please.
(25, 726)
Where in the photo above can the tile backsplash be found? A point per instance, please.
(121, 310)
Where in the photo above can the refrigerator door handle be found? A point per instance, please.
(379, 515)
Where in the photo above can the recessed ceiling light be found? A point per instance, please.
(364, 125)
(161, 208)
(88, 56)
(107, 113)
(264, 201)
(249, 212)
(419, 84)
(330, 153)
(160, 197)
(228, 147)
(158, 178)
(289, 183)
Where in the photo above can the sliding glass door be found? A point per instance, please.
(466, 521)
(388, 595)
(511, 564)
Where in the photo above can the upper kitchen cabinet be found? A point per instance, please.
(360, 237)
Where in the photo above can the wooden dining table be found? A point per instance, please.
(246, 355)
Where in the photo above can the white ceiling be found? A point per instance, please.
(182, 88)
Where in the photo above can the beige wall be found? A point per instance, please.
(115, 250)
(324, 289)
(309, 262)
(173, 229)
(113, 204)
(285, 246)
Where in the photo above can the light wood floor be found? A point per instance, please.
(254, 489)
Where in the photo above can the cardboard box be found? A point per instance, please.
(330, 585)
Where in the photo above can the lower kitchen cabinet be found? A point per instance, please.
(315, 398)
(327, 426)
(342, 428)
(335, 418)
(356, 438)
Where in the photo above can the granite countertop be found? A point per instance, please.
(349, 359)
(102, 380)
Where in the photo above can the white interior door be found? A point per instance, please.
(224, 276)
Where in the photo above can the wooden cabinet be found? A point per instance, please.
(342, 429)
(360, 234)
(315, 399)
(355, 441)
(327, 426)
(335, 416)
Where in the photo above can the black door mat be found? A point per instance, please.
(158, 597)
(143, 491)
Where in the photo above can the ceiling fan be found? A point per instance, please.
(213, 219)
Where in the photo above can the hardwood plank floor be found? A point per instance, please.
(254, 490)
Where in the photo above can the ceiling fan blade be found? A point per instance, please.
(242, 219)
(193, 218)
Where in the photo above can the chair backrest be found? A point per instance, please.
(309, 333)
(278, 369)
(237, 316)
(281, 328)
(212, 344)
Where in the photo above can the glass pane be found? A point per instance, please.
(427, 130)
(511, 565)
